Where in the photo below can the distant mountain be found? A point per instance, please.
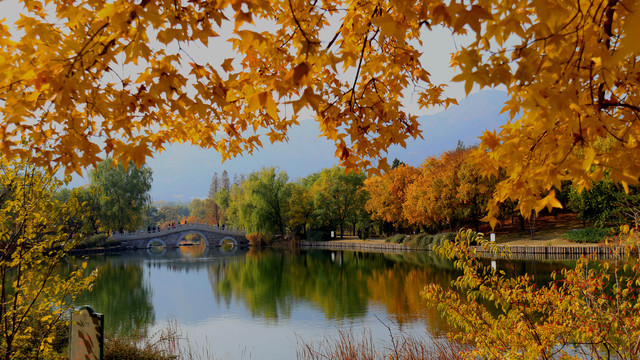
(183, 172)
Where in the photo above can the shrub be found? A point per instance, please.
(396, 239)
(588, 312)
(92, 241)
(441, 238)
(259, 239)
(420, 241)
(469, 236)
(587, 235)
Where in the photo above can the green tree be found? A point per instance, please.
(339, 197)
(396, 162)
(170, 213)
(224, 181)
(301, 209)
(604, 203)
(213, 212)
(236, 196)
(261, 205)
(222, 199)
(36, 234)
(197, 209)
(123, 194)
(151, 216)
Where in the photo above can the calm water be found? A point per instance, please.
(262, 304)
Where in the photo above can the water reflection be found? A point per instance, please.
(210, 289)
(194, 251)
(121, 292)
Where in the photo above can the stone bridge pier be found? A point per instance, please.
(171, 237)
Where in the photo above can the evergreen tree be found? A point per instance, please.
(224, 181)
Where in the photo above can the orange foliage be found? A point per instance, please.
(387, 194)
(448, 191)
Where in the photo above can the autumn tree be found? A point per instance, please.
(586, 312)
(123, 71)
(431, 200)
(123, 194)
(474, 190)
(197, 209)
(90, 222)
(448, 190)
(36, 232)
(87, 77)
(388, 194)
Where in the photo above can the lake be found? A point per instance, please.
(262, 304)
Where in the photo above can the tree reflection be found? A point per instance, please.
(121, 293)
(344, 285)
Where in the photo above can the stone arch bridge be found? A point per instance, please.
(171, 237)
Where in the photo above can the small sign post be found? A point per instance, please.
(86, 337)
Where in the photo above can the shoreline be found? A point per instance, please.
(517, 251)
(525, 252)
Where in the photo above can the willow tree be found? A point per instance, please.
(261, 203)
(123, 194)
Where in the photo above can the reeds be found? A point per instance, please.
(170, 344)
(347, 346)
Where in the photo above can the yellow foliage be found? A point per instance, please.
(583, 313)
(35, 235)
(79, 79)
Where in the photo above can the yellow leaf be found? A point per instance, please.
(490, 139)
(271, 108)
(629, 44)
(108, 11)
(389, 27)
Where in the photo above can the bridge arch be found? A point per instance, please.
(233, 240)
(202, 235)
(164, 244)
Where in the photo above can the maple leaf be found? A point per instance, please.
(226, 65)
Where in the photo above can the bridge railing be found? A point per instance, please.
(171, 228)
